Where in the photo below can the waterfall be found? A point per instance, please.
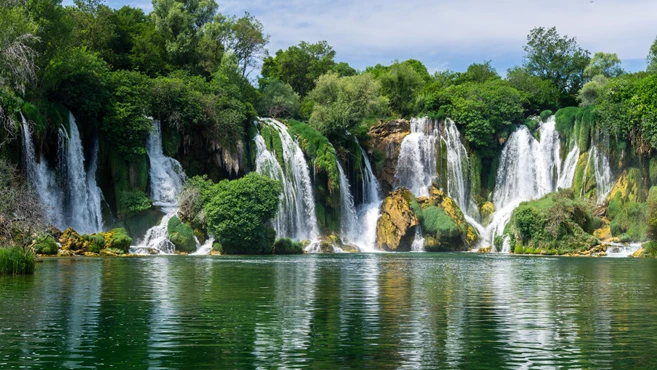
(528, 170)
(618, 250)
(348, 216)
(418, 241)
(166, 180)
(358, 224)
(166, 174)
(296, 216)
(75, 200)
(43, 179)
(416, 165)
(602, 170)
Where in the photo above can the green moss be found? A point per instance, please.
(556, 220)
(565, 121)
(17, 261)
(518, 249)
(439, 224)
(653, 171)
(630, 224)
(46, 245)
(287, 246)
(181, 235)
(273, 142)
(118, 239)
(545, 115)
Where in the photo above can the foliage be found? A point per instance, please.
(542, 94)
(558, 220)
(238, 212)
(181, 235)
(399, 84)
(17, 261)
(300, 65)
(630, 222)
(557, 59)
(484, 110)
(196, 192)
(287, 246)
(278, 100)
(652, 57)
(593, 90)
(320, 151)
(628, 110)
(439, 224)
(45, 244)
(605, 64)
(342, 102)
(545, 115)
(651, 214)
(133, 202)
(118, 239)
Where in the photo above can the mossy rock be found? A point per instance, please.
(72, 241)
(287, 246)
(396, 221)
(628, 187)
(487, 210)
(181, 235)
(118, 239)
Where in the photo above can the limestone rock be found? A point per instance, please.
(386, 137)
(397, 221)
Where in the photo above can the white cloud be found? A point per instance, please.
(452, 33)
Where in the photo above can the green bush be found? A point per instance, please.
(545, 115)
(133, 202)
(17, 261)
(630, 223)
(46, 245)
(238, 212)
(287, 246)
(518, 249)
(181, 235)
(651, 248)
(118, 239)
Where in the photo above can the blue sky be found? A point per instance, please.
(448, 34)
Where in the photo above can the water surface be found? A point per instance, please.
(463, 311)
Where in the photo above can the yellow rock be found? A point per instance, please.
(396, 219)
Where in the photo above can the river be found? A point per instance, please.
(414, 310)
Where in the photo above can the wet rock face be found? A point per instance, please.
(385, 140)
(396, 227)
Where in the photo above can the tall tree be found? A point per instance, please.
(301, 65)
(248, 42)
(558, 59)
(606, 64)
(652, 57)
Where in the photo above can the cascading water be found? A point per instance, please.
(348, 214)
(528, 170)
(416, 165)
(601, 169)
(166, 180)
(358, 224)
(296, 216)
(77, 203)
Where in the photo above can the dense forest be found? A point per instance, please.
(206, 77)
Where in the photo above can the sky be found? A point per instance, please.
(448, 34)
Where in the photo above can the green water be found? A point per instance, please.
(331, 311)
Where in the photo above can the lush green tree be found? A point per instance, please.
(278, 100)
(557, 59)
(542, 94)
(180, 23)
(593, 90)
(54, 31)
(400, 84)
(652, 57)
(247, 41)
(17, 54)
(418, 67)
(93, 27)
(342, 102)
(300, 66)
(238, 213)
(343, 69)
(606, 64)
(479, 72)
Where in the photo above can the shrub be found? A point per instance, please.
(287, 246)
(630, 223)
(518, 249)
(132, 202)
(46, 245)
(438, 223)
(545, 115)
(181, 235)
(238, 212)
(278, 100)
(118, 239)
(17, 261)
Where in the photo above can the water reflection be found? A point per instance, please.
(354, 311)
